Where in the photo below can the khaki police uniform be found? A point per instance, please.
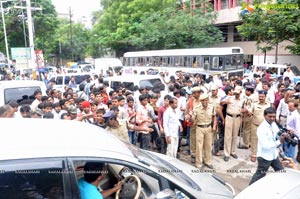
(196, 102)
(247, 119)
(203, 120)
(232, 125)
(257, 111)
(121, 132)
(215, 101)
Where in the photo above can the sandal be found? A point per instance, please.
(218, 153)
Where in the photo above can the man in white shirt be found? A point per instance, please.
(271, 95)
(171, 125)
(38, 99)
(283, 109)
(288, 73)
(267, 148)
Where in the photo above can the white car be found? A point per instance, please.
(43, 158)
(17, 90)
(281, 185)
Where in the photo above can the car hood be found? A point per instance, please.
(206, 180)
(283, 185)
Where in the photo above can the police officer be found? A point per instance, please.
(247, 118)
(232, 123)
(215, 100)
(204, 117)
(193, 102)
(257, 110)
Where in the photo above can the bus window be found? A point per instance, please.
(178, 61)
(206, 63)
(198, 62)
(221, 62)
(215, 64)
(194, 62)
(189, 62)
(233, 61)
(186, 61)
(164, 61)
(239, 61)
(227, 62)
(149, 61)
(171, 61)
(136, 61)
(156, 61)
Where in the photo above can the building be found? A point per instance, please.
(228, 19)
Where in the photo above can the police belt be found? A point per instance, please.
(204, 125)
(238, 115)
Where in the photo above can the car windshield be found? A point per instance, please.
(19, 94)
(150, 82)
(150, 159)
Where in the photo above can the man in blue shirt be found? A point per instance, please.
(94, 172)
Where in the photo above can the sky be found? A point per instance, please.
(79, 7)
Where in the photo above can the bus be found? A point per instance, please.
(207, 61)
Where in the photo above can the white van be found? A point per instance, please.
(63, 80)
(17, 90)
(130, 81)
(102, 65)
(277, 69)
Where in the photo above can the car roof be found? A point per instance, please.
(132, 78)
(41, 138)
(20, 83)
(284, 184)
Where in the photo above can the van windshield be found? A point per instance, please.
(150, 82)
(19, 94)
(128, 85)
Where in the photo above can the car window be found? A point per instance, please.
(128, 85)
(150, 183)
(59, 80)
(115, 84)
(79, 78)
(18, 94)
(67, 80)
(32, 180)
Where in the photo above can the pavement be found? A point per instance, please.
(237, 172)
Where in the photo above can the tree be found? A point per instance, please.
(177, 29)
(271, 24)
(153, 24)
(45, 24)
(80, 40)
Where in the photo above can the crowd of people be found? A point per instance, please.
(212, 114)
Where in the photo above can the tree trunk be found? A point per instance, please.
(276, 53)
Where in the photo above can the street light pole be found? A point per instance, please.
(30, 34)
(4, 30)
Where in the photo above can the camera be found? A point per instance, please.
(290, 138)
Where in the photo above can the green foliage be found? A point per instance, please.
(154, 24)
(75, 46)
(45, 23)
(273, 25)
